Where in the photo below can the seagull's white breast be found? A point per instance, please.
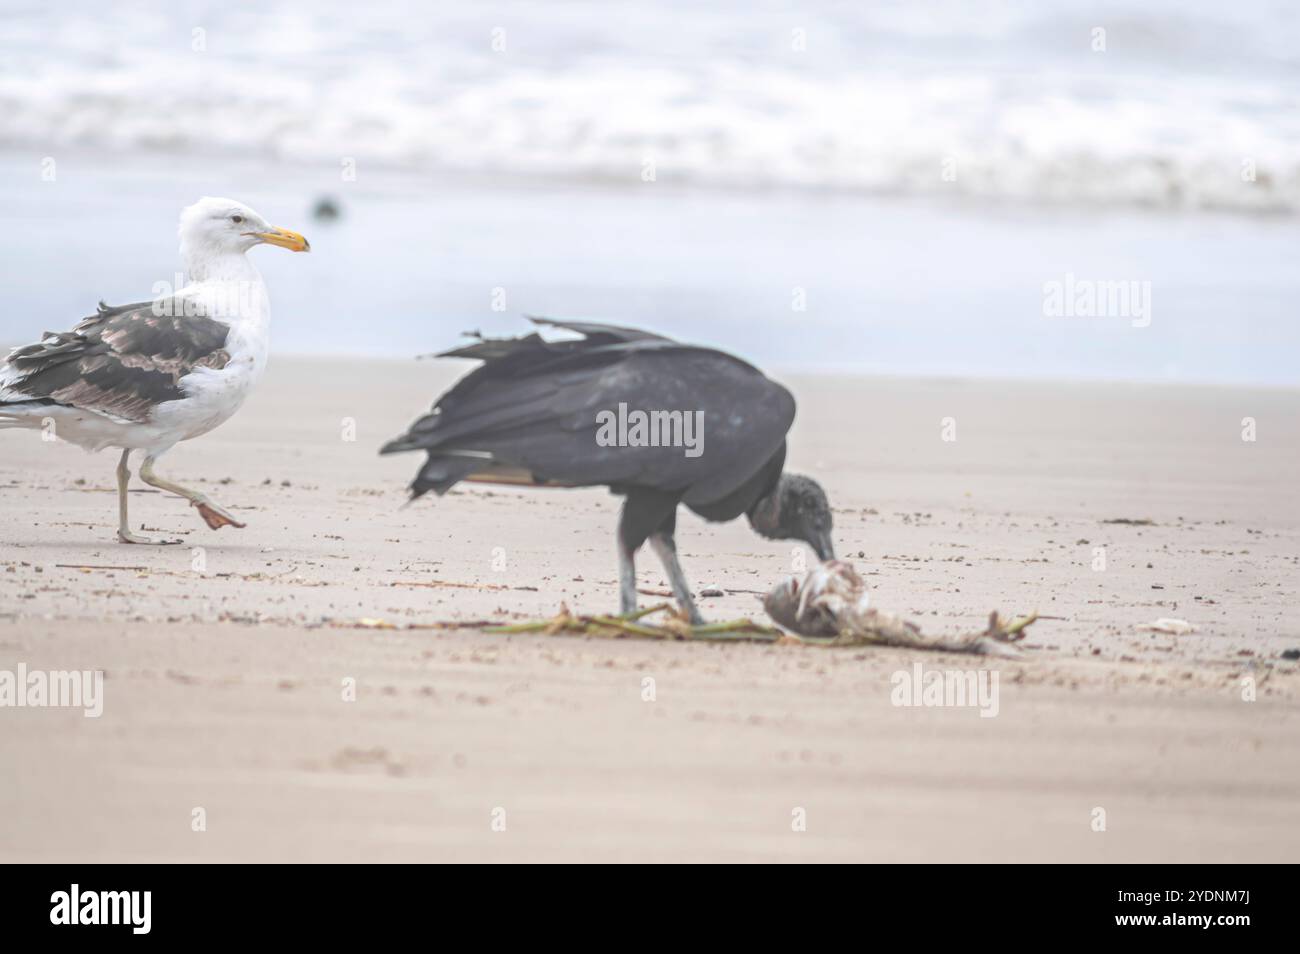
(213, 395)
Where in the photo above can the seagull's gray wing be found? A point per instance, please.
(121, 361)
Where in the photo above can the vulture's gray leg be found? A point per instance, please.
(644, 512)
(626, 580)
(666, 548)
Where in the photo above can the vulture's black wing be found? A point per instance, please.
(544, 412)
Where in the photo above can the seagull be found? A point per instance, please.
(145, 376)
(658, 422)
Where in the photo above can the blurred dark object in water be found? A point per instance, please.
(327, 209)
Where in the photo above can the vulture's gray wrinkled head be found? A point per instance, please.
(797, 509)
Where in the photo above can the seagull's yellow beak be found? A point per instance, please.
(285, 239)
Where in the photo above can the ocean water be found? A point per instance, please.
(1012, 100)
(798, 213)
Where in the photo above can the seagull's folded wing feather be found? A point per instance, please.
(121, 361)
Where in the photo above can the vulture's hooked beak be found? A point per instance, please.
(822, 546)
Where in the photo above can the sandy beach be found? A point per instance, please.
(227, 658)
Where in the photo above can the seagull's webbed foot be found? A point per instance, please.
(215, 516)
(126, 536)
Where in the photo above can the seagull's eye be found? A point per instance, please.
(237, 219)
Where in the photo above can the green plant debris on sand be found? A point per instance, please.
(886, 631)
(615, 627)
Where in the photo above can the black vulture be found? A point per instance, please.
(657, 421)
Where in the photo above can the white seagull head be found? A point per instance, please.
(213, 227)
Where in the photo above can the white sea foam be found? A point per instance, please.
(963, 100)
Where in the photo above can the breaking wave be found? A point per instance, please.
(1189, 105)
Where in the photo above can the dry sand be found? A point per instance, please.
(224, 683)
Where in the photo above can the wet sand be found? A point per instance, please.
(226, 657)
